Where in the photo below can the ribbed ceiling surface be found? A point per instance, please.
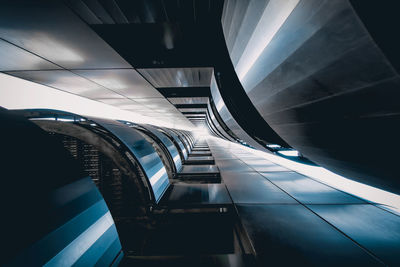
(188, 100)
(178, 77)
(143, 11)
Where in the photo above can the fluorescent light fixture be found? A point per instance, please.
(289, 153)
(66, 120)
(273, 146)
(275, 14)
(42, 119)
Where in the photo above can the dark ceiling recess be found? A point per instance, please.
(194, 98)
(152, 33)
(191, 106)
(185, 91)
(377, 18)
(193, 113)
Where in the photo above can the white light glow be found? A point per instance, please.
(220, 104)
(275, 14)
(43, 119)
(290, 153)
(73, 251)
(200, 132)
(66, 120)
(176, 158)
(16, 93)
(160, 173)
(273, 146)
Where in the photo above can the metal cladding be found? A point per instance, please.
(212, 132)
(172, 149)
(86, 223)
(144, 153)
(178, 141)
(51, 211)
(227, 117)
(47, 43)
(320, 81)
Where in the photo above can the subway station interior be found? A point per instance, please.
(200, 133)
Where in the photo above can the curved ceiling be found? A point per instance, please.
(318, 78)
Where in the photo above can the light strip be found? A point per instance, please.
(71, 253)
(176, 158)
(65, 120)
(289, 153)
(275, 14)
(154, 179)
(42, 119)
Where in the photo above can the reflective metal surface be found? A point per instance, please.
(168, 144)
(199, 169)
(214, 122)
(15, 58)
(178, 77)
(183, 139)
(181, 147)
(268, 168)
(227, 116)
(304, 65)
(200, 153)
(67, 81)
(201, 194)
(188, 100)
(144, 153)
(200, 160)
(126, 82)
(66, 41)
(234, 165)
(291, 235)
(201, 149)
(371, 227)
(309, 191)
(251, 187)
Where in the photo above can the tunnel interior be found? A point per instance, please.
(200, 132)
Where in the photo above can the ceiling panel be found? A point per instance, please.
(178, 77)
(196, 115)
(123, 12)
(192, 110)
(15, 58)
(67, 41)
(67, 81)
(124, 81)
(156, 103)
(188, 100)
(117, 101)
(126, 104)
